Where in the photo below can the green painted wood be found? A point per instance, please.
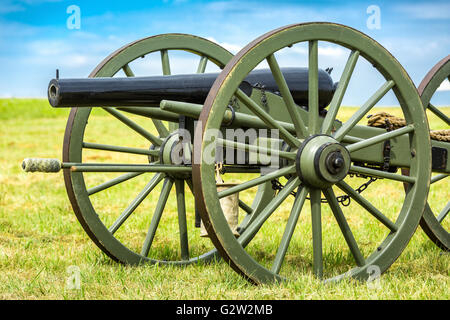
(443, 213)
(363, 202)
(165, 62)
(257, 181)
(127, 70)
(340, 91)
(385, 253)
(354, 119)
(202, 65)
(109, 167)
(439, 113)
(382, 174)
(254, 227)
(380, 138)
(267, 118)
(156, 217)
(313, 87)
(133, 125)
(182, 224)
(289, 230)
(160, 127)
(88, 212)
(256, 148)
(152, 113)
(316, 220)
(113, 182)
(136, 202)
(343, 225)
(438, 177)
(431, 221)
(292, 108)
(106, 147)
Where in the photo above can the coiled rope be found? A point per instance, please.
(391, 122)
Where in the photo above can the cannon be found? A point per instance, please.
(193, 88)
(284, 124)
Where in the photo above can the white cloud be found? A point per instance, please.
(425, 10)
(10, 7)
(232, 47)
(445, 86)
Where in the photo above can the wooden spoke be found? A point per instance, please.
(358, 115)
(292, 108)
(382, 174)
(343, 225)
(443, 213)
(438, 177)
(313, 87)
(165, 62)
(290, 227)
(109, 167)
(316, 220)
(113, 182)
(255, 148)
(136, 202)
(380, 138)
(267, 119)
(152, 113)
(335, 103)
(106, 147)
(245, 207)
(161, 128)
(157, 216)
(367, 205)
(439, 113)
(202, 64)
(182, 225)
(253, 228)
(158, 124)
(131, 124)
(257, 181)
(127, 70)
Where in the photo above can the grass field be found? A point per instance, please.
(41, 241)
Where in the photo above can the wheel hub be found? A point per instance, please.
(322, 161)
(175, 151)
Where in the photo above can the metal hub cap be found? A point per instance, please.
(322, 161)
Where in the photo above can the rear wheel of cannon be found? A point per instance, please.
(333, 242)
(102, 194)
(435, 221)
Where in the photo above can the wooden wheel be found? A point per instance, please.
(433, 221)
(96, 196)
(322, 154)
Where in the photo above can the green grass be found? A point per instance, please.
(40, 237)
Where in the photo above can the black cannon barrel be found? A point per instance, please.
(194, 88)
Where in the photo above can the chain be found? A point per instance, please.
(262, 87)
(277, 186)
(344, 199)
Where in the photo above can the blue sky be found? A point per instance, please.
(35, 40)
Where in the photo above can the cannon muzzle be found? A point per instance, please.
(192, 88)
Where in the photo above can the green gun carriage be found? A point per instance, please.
(273, 135)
